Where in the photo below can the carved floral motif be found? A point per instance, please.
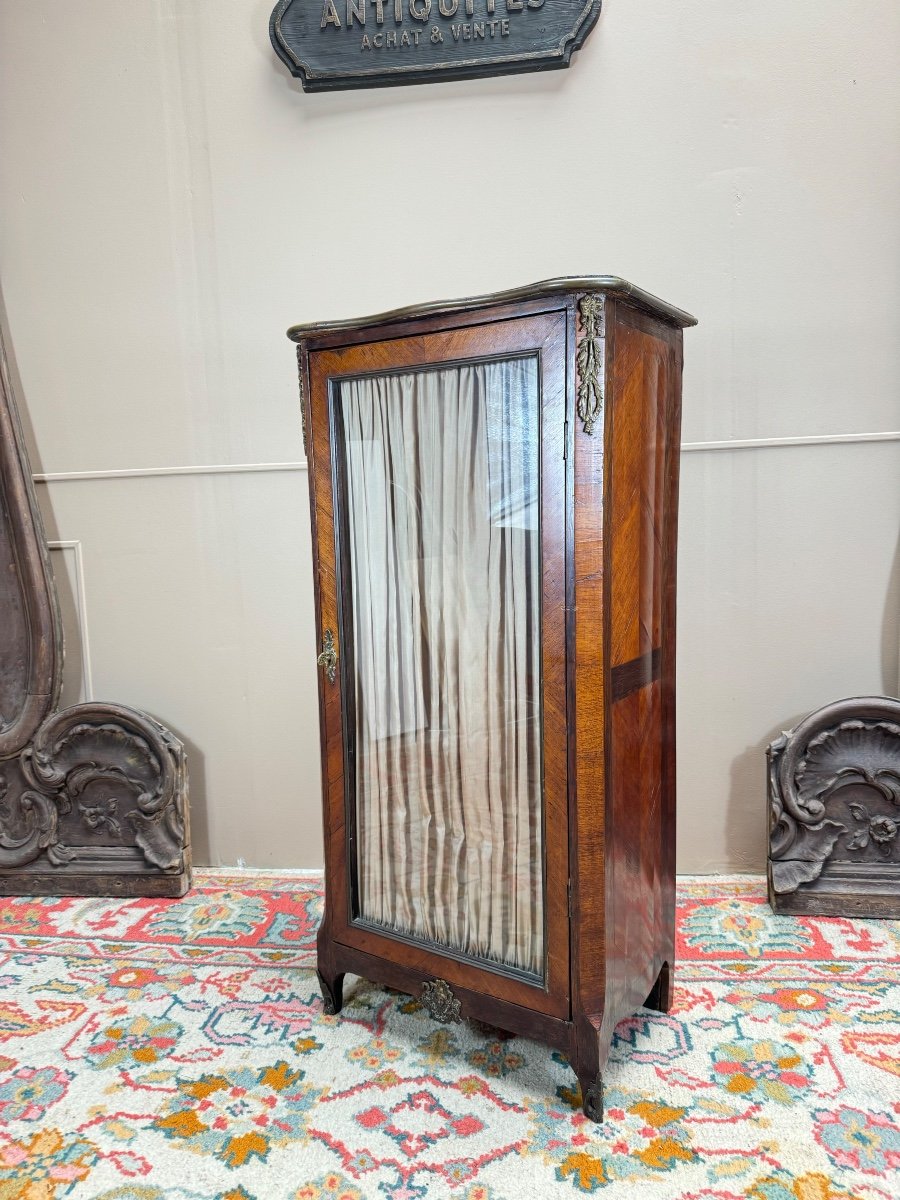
(882, 830)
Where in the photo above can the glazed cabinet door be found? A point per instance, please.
(438, 478)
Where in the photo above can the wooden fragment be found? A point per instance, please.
(93, 799)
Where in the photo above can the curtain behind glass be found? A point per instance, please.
(442, 526)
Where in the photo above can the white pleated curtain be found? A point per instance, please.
(442, 524)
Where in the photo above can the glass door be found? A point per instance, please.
(442, 497)
(438, 472)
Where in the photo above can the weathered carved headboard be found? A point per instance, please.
(93, 799)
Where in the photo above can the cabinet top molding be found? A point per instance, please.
(608, 285)
(331, 45)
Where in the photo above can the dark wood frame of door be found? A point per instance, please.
(342, 939)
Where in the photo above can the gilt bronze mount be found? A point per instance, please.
(438, 998)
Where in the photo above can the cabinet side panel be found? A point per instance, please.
(635, 867)
(643, 430)
(637, 438)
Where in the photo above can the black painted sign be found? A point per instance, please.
(331, 44)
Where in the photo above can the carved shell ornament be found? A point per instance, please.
(855, 752)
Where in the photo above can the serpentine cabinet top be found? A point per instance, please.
(609, 285)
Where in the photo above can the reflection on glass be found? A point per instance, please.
(442, 537)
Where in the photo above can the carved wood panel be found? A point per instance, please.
(834, 811)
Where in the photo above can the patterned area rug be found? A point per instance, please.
(176, 1050)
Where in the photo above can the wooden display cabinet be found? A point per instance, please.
(494, 488)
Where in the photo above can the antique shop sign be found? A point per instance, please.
(331, 44)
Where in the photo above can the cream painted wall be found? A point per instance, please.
(171, 202)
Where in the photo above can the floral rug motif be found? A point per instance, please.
(177, 1050)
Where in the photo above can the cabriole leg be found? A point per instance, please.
(590, 1051)
(332, 993)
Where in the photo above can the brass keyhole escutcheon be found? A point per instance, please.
(328, 658)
